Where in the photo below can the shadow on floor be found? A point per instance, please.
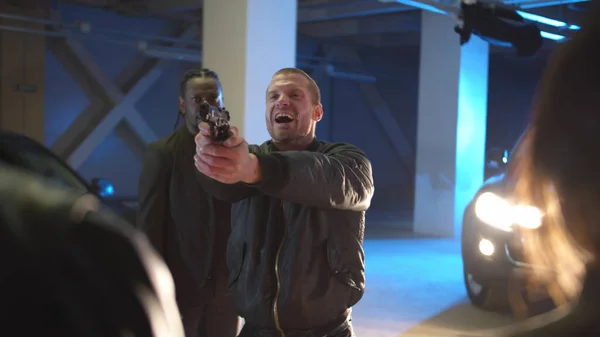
(462, 319)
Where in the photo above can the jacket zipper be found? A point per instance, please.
(275, 302)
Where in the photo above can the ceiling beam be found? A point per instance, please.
(352, 10)
(158, 6)
(378, 24)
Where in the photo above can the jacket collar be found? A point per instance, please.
(312, 147)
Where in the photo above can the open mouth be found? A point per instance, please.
(284, 118)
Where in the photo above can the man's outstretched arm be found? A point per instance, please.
(225, 192)
(341, 178)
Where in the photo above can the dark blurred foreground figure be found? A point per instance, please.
(70, 269)
(559, 171)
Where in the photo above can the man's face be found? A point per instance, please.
(199, 89)
(291, 114)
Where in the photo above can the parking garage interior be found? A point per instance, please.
(95, 81)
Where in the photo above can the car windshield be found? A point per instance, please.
(36, 159)
(52, 169)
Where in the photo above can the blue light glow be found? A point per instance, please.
(108, 191)
(551, 36)
(550, 22)
(417, 4)
(104, 188)
(538, 4)
(542, 19)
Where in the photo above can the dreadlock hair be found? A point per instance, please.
(190, 74)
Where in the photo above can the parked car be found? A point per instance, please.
(492, 251)
(23, 152)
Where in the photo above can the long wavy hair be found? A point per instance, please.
(557, 165)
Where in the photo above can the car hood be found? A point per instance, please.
(496, 184)
(495, 180)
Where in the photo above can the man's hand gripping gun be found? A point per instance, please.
(217, 118)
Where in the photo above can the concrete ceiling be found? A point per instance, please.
(357, 22)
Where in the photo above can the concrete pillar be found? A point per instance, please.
(245, 42)
(451, 135)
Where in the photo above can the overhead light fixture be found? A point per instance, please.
(542, 19)
(550, 22)
(436, 7)
(551, 36)
(547, 21)
(545, 3)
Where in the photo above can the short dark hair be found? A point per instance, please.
(196, 73)
(313, 88)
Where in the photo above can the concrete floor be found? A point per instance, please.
(415, 288)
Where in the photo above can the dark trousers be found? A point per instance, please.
(216, 318)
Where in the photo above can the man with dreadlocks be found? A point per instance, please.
(187, 226)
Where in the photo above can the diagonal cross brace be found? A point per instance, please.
(382, 112)
(123, 104)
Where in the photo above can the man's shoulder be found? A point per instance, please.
(320, 146)
(162, 148)
(337, 147)
(265, 147)
(165, 144)
(157, 145)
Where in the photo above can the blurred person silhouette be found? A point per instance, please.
(71, 268)
(558, 170)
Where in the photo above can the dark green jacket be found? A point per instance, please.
(295, 252)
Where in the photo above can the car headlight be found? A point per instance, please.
(500, 213)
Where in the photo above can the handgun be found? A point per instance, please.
(217, 118)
